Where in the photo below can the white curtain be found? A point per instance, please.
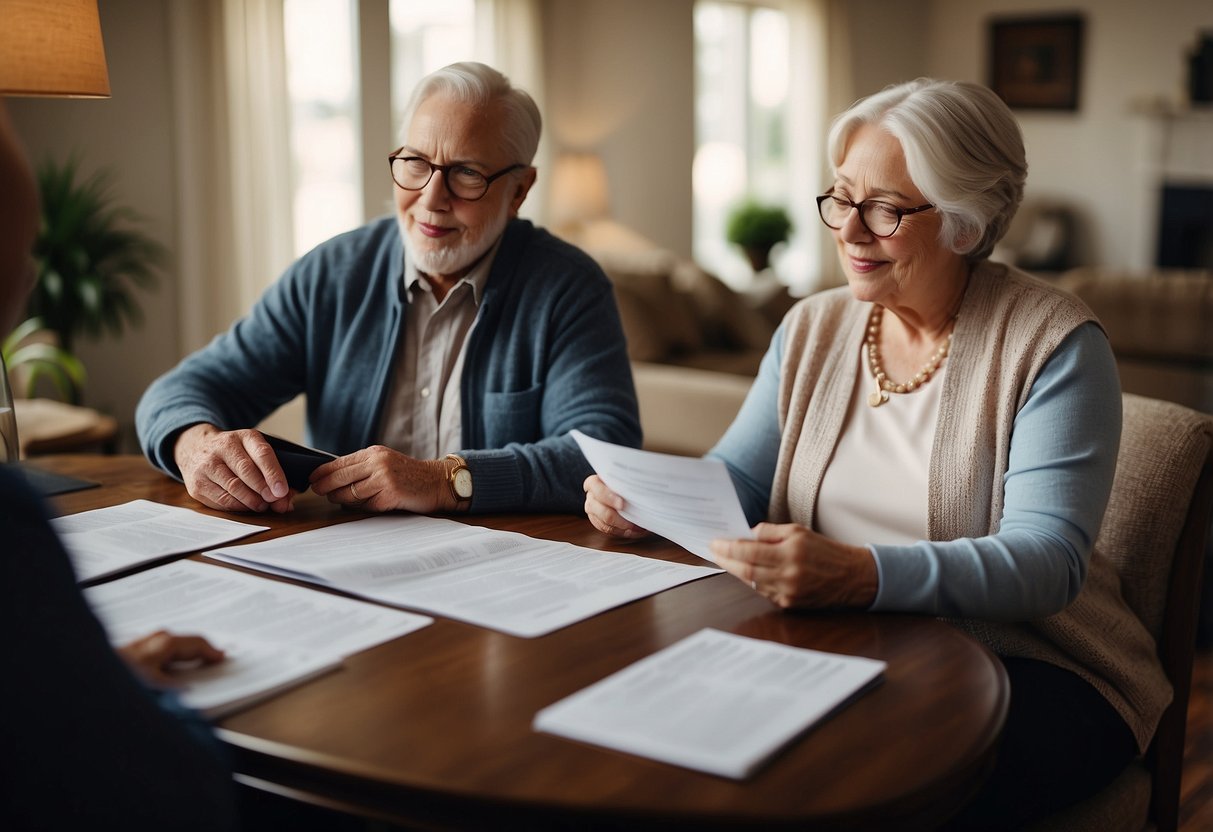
(822, 85)
(233, 183)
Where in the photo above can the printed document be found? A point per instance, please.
(108, 540)
(713, 702)
(276, 635)
(501, 580)
(687, 500)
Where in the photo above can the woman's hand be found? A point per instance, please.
(795, 566)
(602, 506)
(153, 656)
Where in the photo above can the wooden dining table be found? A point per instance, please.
(433, 730)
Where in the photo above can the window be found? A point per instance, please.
(427, 36)
(322, 82)
(741, 124)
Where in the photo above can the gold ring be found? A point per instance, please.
(354, 491)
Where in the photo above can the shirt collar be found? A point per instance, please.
(477, 278)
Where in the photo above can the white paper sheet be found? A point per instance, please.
(108, 540)
(276, 635)
(713, 702)
(688, 500)
(505, 581)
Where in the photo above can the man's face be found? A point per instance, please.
(446, 235)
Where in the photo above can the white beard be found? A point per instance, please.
(433, 257)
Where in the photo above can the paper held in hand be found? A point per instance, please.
(713, 702)
(688, 500)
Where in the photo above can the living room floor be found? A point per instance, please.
(1196, 791)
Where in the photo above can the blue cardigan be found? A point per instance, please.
(547, 354)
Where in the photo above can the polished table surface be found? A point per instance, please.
(433, 729)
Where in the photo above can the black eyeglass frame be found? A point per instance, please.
(858, 206)
(446, 169)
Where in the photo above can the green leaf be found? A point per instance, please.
(90, 255)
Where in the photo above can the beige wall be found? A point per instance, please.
(129, 133)
(620, 81)
(1104, 158)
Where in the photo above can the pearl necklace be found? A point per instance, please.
(884, 385)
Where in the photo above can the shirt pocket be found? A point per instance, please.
(512, 416)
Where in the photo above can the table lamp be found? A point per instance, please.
(53, 49)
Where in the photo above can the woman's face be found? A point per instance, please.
(909, 268)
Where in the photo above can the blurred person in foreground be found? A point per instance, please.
(939, 437)
(86, 744)
(446, 352)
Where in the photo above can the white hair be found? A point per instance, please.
(963, 150)
(482, 86)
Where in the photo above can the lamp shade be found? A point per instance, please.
(579, 190)
(52, 48)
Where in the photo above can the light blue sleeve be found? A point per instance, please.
(750, 447)
(1063, 452)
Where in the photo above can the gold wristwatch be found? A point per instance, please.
(459, 479)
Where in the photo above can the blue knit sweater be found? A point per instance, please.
(547, 354)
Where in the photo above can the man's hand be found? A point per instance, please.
(381, 479)
(153, 657)
(232, 470)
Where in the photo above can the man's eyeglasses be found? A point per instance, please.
(880, 218)
(413, 173)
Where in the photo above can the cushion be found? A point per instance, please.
(646, 339)
(654, 303)
(727, 318)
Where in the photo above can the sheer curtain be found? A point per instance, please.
(233, 177)
(821, 81)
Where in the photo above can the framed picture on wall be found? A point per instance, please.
(1034, 62)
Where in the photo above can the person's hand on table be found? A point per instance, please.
(154, 656)
(795, 566)
(602, 506)
(234, 470)
(382, 479)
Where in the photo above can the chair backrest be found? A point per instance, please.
(1154, 531)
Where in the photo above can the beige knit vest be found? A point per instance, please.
(1008, 326)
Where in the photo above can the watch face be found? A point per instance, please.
(463, 483)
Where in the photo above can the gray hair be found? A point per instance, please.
(482, 86)
(963, 149)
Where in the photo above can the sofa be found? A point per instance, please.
(1160, 325)
(694, 342)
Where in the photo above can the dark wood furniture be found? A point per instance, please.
(433, 730)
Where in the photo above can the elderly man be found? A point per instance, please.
(460, 343)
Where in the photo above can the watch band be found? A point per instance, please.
(459, 480)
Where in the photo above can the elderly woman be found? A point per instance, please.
(940, 436)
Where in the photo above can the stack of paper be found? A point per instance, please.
(276, 635)
(713, 702)
(108, 540)
(501, 580)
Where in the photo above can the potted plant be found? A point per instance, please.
(89, 261)
(757, 228)
(29, 354)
